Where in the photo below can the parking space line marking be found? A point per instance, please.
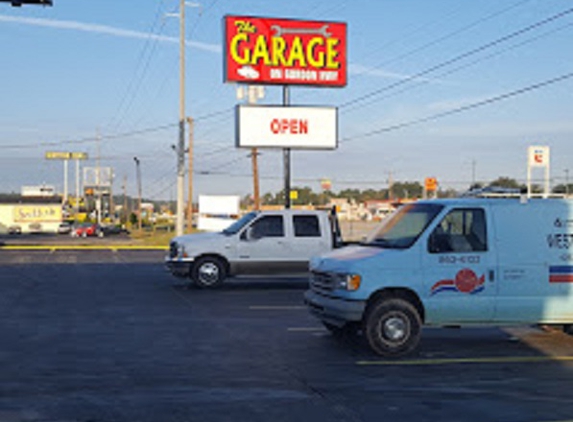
(306, 329)
(452, 361)
(276, 308)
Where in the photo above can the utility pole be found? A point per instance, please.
(138, 174)
(286, 154)
(98, 180)
(190, 178)
(181, 144)
(256, 193)
(124, 187)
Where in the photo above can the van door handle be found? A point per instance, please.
(491, 275)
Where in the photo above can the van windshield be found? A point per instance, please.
(239, 224)
(402, 229)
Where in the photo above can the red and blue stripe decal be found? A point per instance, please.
(561, 274)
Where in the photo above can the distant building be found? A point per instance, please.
(30, 215)
(42, 191)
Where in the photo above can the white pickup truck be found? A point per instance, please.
(261, 242)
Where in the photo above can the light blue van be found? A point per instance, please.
(450, 262)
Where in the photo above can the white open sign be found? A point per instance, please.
(287, 127)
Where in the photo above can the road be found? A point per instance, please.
(98, 336)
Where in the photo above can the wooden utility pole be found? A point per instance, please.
(190, 178)
(256, 194)
(125, 213)
(138, 174)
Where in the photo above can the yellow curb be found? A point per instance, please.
(82, 247)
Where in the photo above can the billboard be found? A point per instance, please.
(60, 155)
(285, 51)
(37, 213)
(286, 127)
(98, 176)
(538, 156)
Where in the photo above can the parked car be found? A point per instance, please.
(87, 229)
(64, 228)
(14, 230)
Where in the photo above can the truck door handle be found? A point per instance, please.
(491, 275)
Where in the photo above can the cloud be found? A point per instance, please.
(104, 29)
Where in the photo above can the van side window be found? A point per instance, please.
(461, 230)
(268, 226)
(306, 226)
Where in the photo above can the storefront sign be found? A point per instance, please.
(285, 52)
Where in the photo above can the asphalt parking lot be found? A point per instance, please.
(93, 336)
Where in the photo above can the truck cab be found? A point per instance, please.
(449, 262)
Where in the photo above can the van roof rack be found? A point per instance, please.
(499, 192)
(492, 192)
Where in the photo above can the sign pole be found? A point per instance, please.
(286, 152)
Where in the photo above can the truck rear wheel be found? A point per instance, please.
(392, 327)
(208, 272)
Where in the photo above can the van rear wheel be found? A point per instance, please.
(392, 327)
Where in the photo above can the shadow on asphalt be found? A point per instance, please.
(249, 285)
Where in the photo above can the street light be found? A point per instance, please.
(138, 174)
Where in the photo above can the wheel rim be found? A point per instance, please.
(208, 273)
(395, 328)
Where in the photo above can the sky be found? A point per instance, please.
(450, 89)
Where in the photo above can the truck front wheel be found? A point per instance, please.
(208, 272)
(392, 327)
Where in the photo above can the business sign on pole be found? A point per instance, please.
(284, 51)
(538, 156)
(286, 127)
(64, 155)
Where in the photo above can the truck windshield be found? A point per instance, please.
(401, 229)
(239, 224)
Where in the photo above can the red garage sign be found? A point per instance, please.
(285, 52)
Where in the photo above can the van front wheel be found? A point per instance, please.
(392, 327)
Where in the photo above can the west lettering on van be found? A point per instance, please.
(465, 281)
(560, 240)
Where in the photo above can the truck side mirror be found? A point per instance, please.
(249, 234)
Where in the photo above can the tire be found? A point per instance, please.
(568, 329)
(208, 272)
(392, 327)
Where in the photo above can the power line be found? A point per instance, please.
(458, 58)
(462, 108)
(470, 64)
(452, 34)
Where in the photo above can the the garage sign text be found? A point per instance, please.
(284, 51)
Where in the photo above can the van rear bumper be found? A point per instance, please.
(334, 310)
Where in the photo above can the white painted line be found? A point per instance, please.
(306, 329)
(276, 308)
